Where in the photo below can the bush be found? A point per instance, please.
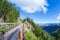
(30, 35)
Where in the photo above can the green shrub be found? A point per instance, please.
(30, 35)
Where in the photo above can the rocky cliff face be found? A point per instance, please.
(1, 19)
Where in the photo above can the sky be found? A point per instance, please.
(41, 11)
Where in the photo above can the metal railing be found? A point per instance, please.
(4, 27)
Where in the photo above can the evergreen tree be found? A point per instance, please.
(9, 13)
(58, 34)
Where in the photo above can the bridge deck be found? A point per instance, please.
(13, 33)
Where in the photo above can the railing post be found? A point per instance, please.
(19, 37)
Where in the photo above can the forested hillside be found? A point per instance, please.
(58, 34)
(9, 13)
(30, 36)
(38, 32)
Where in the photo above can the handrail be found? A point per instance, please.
(8, 23)
(4, 27)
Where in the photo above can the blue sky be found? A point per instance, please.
(41, 11)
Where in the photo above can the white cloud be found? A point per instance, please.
(31, 6)
(58, 17)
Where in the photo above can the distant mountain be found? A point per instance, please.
(50, 27)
